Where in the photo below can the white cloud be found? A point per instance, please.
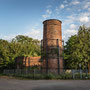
(85, 14)
(84, 19)
(48, 11)
(72, 26)
(36, 34)
(74, 2)
(8, 37)
(61, 6)
(48, 14)
(45, 16)
(58, 8)
(68, 33)
(70, 17)
(87, 4)
(69, 20)
(81, 18)
(88, 9)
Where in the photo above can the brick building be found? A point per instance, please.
(22, 62)
(52, 47)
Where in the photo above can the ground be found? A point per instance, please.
(17, 84)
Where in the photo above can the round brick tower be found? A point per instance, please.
(52, 46)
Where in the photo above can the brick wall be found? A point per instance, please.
(22, 62)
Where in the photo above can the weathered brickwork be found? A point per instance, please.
(52, 49)
(52, 45)
(52, 30)
(22, 62)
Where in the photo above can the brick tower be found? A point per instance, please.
(52, 46)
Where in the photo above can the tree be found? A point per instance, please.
(30, 47)
(77, 49)
(4, 53)
(19, 46)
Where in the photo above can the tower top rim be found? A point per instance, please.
(51, 20)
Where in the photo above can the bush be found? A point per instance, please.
(47, 76)
(50, 76)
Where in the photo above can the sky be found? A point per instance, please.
(25, 17)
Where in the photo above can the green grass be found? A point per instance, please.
(40, 76)
(1, 74)
(50, 76)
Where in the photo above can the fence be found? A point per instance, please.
(66, 74)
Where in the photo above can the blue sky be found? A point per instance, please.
(26, 16)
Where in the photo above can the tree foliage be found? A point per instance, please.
(77, 49)
(19, 46)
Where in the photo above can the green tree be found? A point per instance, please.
(77, 49)
(4, 53)
(30, 47)
(19, 46)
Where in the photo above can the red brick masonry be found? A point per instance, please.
(27, 62)
(52, 39)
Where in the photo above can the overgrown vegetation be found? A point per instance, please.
(18, 46)
(77, 49)
(77, 52)
(50, 76)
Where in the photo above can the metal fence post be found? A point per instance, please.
(58, 56)
(80, 71)
(46, 57)
(63, 55)
(41, 54)
(73, 74)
